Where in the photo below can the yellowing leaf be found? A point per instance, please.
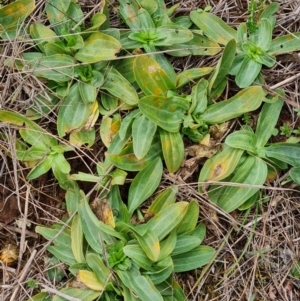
(220, 166)
(90, 280)
(151, 77)
(98, 47)
(15, 12)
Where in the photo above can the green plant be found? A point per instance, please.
(75, 66)
(286, 130)
(41, 150)
(246, 118)
(253, 8)
(152, 29)
(31, 283)
(117, 259)
(255, 48)
(243, 161)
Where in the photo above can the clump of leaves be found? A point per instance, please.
(255, 48)
(235, 166)
(115, 258)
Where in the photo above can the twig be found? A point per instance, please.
(286, 81)
(23, 233)
(17, 230)
(58, 293)
(23, 274)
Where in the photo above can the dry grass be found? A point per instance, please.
(256, 249)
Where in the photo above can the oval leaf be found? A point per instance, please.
(143, 131)
(167, 219)
(98, 47)
(118, 86)
(166, 112)
(144, 184)
(220, 166)
(150, 76)
(252, 172)
(173, 149)
(247, 100)
(214, 27)
(193, 259)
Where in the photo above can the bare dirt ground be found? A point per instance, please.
(255, 249)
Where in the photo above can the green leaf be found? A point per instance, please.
(190, 219)
(163, 200)
(191, 74)
(145, 21)
(150, 244)
(166, 112)
(149, 5)
(87, 92)
(77, 239)
(143, 132)
(40, 297)
(42, 35)
(127, 122)
(136, 253)
(61, 163)
(295, 174)
(267, 121)
(57, 13)
(220, 166)
(128, 161)
(101, 271)
(41, 168)
(247, 100)
(162, 60)
(98, 47)
(167, 246)
(83, 137)
(199, 97)
(140, 285)
(185, 244)
(214, 27)
(56, 67)
(161, 271)
(129, 11)
(243, 139)
(173, 34)
(252, 172)
(33, 153)
(62, 243)
(285, 152)
(32, 132)
(167, 219)
(118, 86)
(248, 72)
(144, 184)
(73, 113)
(198, 45)
(285, 44)
(150, 76)
(193, 259)
(262, 37)
(78, 293)
(223, 66)
(91, 228)
(173, 149)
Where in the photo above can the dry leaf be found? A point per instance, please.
(102, 210)
(9, 254)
